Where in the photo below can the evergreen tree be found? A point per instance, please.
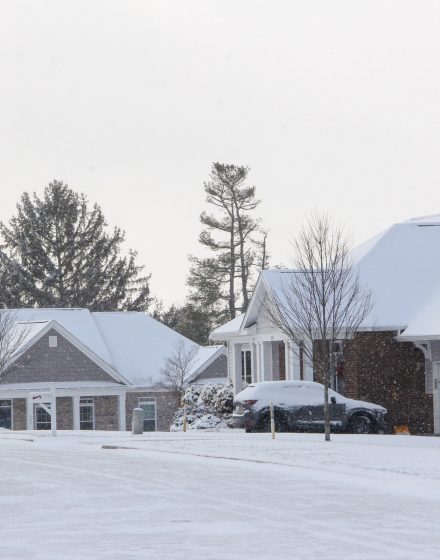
(191, 321)
(12, 280)
(61, 254)
(223, 282)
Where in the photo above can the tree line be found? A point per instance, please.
(59, 251)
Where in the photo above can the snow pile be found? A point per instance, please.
(208, 407)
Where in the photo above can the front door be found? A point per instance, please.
(6, 414)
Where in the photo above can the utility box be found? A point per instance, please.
(137, 423)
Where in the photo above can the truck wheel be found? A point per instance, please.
(360, 424)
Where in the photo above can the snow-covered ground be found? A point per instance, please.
(214, 496)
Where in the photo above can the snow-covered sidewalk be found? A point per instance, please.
(218, 496)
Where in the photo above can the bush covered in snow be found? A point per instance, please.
(208, 407)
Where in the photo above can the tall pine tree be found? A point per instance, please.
(60, 253)
(223, 282)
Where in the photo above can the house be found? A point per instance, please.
(102, 366)
(393, 359)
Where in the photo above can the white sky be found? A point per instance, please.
(333, 105)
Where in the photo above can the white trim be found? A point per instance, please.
(417, 338)
(122, 413)
(29, 413)
(68, 392)
(75, 406)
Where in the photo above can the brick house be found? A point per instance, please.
(394, 359)
(102, 365)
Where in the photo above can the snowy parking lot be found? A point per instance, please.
(223, 495)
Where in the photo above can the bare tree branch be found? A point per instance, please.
(321, 300)
(177, 367)
(12, 336)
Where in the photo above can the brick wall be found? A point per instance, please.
(106, 413)
(166, 405)
(19, 412)
(62, 363)
(381, 370)
(64, 413)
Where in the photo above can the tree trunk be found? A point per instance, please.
(232, 271)
(326, 406)
(244, 271)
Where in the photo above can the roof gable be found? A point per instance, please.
(78, 322)
(68, 360)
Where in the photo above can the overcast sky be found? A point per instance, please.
(333, 106)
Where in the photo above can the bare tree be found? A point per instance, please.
(12, 337)
(177, 367)
(321, 300)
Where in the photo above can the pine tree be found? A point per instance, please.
(13, 280)
(223, 282)
(62, 254)
(195, 323)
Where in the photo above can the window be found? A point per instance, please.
(86, 413)
(246, 366)
(148, 405)
(6, 414)
(53, 341)
(42, 418)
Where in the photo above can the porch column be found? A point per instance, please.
(29, 413)
(291, 360)
(266, 361)
(75, 405)
(294, 361)
(287, 358)
(121, 401)
(254, 362)
(235, 366)
(257, 348)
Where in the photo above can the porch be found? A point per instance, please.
(265, 359)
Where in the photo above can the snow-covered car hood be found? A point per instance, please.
(353, 403)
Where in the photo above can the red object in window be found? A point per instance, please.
(340, 368)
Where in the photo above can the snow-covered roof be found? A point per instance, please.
(425, 325)
(205, 356)
(79, 322)
(138, 344)
(230, 327)
(401, 267)
(132, 344)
